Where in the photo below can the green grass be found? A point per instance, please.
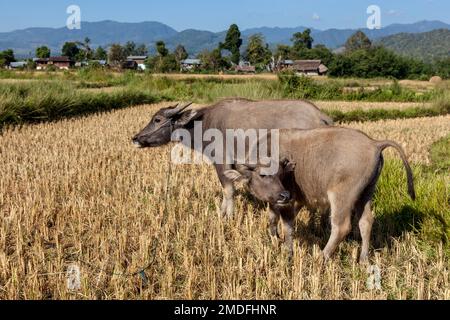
(49, 100)
(288, 86)
(301, 87)
(428, 216)
(61, 96)
(440, 155)
(385, 114)
(292, 87)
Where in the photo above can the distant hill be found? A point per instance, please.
(101, 33)
(334, 38)
(195, 40)
(24, 42)
(426, 46)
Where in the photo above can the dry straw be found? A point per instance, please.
(77, 190)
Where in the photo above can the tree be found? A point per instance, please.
(87, 48)
(257, 52)
(164, 64)
(319, 52)
(161, 49)
(70, 49)
(86, 52)
(180, 53)
(141, 50)
(150, 64)
(169, 64)
(358, 41)
(302, 40)
(130, 48)
(341, 66)
(43, 52)
(116, 55)
(6, 57)
(100, 54)
(164, 61)
(283, 52)
(442, 68)
(374, 62)
(233, 43)
(213, 60)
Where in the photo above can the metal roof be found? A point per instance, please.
(18, 64)
(137, 57)
(307, 65)
(59, 59)
(191, 61)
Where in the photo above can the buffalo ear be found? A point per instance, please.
(288, 166)
(186, 117)
(235, 176)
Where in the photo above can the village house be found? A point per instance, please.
(190, 64)
(305, 67)
(85, 63)
(244, 67)
(102, 63)
(129, 64)
(80, 64)
(309, 67)
(139, 62)
(18, 65)
(62, 63)
(284, 65)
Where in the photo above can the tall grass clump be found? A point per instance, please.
(440, 105)
(428, 216)
(303, 87)
(208, 90)
(442, 101)
(385, 114)
(440, 155)
(47, 101)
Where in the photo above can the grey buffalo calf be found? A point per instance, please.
(336, 173)
(234, 113)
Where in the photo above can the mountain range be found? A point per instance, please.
(103, 33)
(427, 46)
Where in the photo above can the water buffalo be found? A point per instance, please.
(267, 188)
(233, 113)
(336, 171)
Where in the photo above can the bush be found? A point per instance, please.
(51, 68)
(377, 62)
(301, 87)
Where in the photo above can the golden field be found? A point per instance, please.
(77, 191)
(415, 135)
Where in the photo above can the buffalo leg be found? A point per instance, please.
(274, 218)
(227, 208)
(288, 217)
(365, 227)
(340, 223)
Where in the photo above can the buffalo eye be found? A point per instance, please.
(157, 120)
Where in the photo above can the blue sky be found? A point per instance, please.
(218, 15)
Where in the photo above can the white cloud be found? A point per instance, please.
(316, 17)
